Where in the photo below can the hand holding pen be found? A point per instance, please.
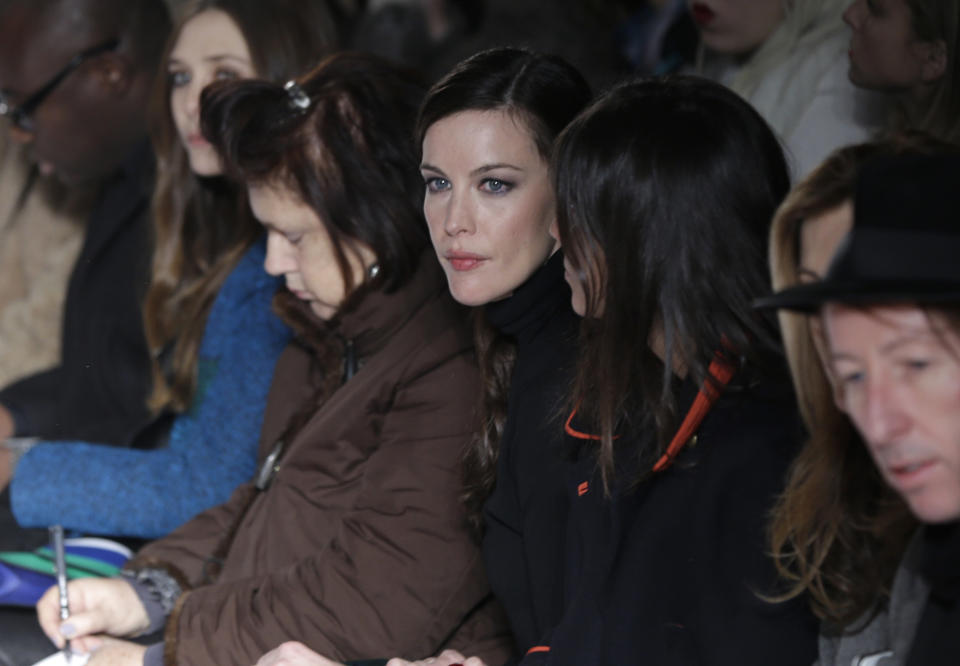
(97, 607)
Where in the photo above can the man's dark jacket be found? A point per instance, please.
(98, 392)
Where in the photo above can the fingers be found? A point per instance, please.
(48, 615)
(293, 653)
(81, 622)
(445, 658)
(108, 606)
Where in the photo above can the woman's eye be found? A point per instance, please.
(178, 78)
(294, 239)
(917, 364)
(850, 378)
(436, 184)
(495, 185)
(224, 74)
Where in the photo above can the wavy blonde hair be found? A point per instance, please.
(838, 531)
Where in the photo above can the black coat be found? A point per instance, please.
(667, 573)
(98, 391)
(526, 515)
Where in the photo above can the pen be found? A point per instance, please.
(60, 571)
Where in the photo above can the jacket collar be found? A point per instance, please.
(370, 317)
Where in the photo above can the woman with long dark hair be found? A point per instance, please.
(487, 130)
(207, 309)
(680, 424)
(351, 538)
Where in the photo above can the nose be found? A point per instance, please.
(884, 419)
(853, 14)
(192, 101)
(280, 258)
(459, 216)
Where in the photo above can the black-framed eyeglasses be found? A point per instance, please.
(21, 115)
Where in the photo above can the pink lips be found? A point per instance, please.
(910, 475)
(702, 14)
(464, 261)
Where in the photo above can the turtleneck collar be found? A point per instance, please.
(523, 313)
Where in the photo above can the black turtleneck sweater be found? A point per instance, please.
(526, 514)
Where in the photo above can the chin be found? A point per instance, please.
(474, 297)
(205, 165)
(323, 311)
(934, 510)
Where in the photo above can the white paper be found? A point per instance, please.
(59, 659)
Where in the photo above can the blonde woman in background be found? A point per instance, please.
(787, 58)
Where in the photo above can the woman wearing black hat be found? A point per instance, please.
(891, 312)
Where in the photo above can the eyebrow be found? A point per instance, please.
(479, 170)
(904, 340)
(889, 347)
(214, 58)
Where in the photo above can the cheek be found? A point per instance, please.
(431, 213)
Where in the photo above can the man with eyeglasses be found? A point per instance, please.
(75, 79)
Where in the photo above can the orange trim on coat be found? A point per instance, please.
(569, 429)
(708, 394)
(539, 648)
(721, 371)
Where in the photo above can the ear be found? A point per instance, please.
(933, 60)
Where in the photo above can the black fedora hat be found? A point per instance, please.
(905, 242)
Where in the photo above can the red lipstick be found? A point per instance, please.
(702, 14)
(464, 261)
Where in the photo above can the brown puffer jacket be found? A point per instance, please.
(358, 547)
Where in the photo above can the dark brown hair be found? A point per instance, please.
(203, 226)
(544, 93)
(665, 191)
(349, 153)
(838, 530)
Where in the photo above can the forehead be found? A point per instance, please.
(279, 207)
(210, 34)
(474, 138)
(852, 329)
(34, 45)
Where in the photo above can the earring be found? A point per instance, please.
(373, 271)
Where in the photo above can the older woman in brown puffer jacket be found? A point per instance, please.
(351, 539)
